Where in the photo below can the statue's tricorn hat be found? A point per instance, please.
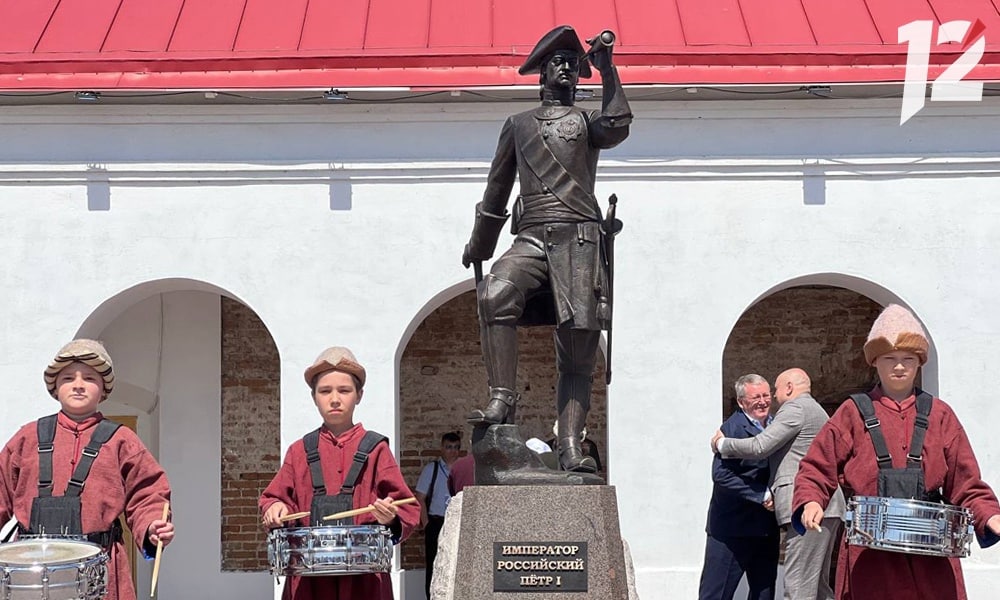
(560, 38)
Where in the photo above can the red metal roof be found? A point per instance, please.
(266, 44)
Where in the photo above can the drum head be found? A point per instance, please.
(46, 551)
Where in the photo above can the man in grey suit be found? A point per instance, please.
(784, 442)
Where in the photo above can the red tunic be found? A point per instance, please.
(843, 452)
(379, 478)
(462, 474)
(124, 478)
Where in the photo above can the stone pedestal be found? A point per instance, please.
(534, 543)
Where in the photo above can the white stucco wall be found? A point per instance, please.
(167, 353)
(340, 224)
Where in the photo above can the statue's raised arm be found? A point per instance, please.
(616, 115)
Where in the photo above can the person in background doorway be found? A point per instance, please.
(742, 533)
(784, 442)
(463, 474)
(433, 494)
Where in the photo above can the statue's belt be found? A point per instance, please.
(550, 204)
(536, 209)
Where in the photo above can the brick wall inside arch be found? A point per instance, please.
(441, 378)
(821, 329)
(251, 413)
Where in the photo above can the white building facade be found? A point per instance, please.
(344, 224)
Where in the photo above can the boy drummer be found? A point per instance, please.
(37, 464)
(337, 381)
(848, 450)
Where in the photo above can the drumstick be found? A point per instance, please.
(159, 553)
(361, 511)
(293, 516)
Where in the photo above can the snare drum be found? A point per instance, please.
(329, 550)
(52, 568)
(910, 526)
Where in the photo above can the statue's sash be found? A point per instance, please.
(541, 161)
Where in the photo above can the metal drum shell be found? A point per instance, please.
(323, 551)
(23, 576)
(909, 526)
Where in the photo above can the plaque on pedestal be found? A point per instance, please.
(530, 542)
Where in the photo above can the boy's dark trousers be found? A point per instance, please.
(431, 534)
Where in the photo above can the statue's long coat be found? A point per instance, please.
(553, 152)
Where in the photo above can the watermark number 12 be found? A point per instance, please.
(948, 86)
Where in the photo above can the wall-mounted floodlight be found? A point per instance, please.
(334, 95)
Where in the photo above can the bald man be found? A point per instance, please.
(784, 442)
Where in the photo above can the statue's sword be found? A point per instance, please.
(612, 226)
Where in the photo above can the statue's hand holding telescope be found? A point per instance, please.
(601, 46)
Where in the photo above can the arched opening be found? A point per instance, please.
(251, 439)
(199, 372)
(441, 378)
(818, 328)
(818, 323)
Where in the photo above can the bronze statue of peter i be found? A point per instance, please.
(557, 270)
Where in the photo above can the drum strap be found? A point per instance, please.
(62, 514)
(874, 427)
(46, 427)
(924, 403)
(106, 539)
(430, 492)
(368, 444)
(311, 443)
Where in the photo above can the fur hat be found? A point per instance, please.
(88, 352)
(336, 358)
(896, 329)
(560, 38)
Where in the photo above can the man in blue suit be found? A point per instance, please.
(742, 531)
